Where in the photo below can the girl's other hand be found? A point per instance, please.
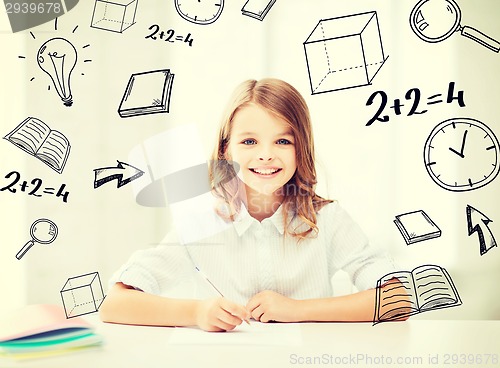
(220, 314)
(268, 306)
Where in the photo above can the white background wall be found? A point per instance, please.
(376, 172)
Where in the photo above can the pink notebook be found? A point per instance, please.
(36, 319)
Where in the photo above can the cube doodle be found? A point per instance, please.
(344, 52)
(115, 16)
(82, 295)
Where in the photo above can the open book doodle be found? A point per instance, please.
(36, 138)
(425, 288)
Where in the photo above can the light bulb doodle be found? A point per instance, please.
(46, 48)
(57, 57)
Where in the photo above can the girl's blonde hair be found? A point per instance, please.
(285, 102)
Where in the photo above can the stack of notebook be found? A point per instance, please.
(43, 330)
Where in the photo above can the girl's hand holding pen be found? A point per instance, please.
(220, 314)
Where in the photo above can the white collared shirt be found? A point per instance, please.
(251, 256)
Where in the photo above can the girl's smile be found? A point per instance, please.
(266, 171)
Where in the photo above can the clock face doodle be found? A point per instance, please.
(462, 154)
(199, 11)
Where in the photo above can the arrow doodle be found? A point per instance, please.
(478, 222)
(123, 172)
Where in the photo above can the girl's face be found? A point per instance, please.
(264, 148)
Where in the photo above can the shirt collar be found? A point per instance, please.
(243, 220)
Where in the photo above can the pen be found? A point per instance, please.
(215, 287)
(206, 278)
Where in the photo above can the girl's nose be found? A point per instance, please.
(266, 154)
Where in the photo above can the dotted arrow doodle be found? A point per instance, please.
(478, 222)
(123, 172)
(25, 14)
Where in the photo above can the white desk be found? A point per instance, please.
(326, 344)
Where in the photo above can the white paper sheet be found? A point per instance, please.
(276, 334)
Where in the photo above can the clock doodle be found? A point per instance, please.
(461, 154)
(199, 11)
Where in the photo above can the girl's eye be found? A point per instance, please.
(249, 141)
(283, 141)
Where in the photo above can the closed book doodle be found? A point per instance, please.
(416, 226)
(147, 93)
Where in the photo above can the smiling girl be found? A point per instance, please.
(276, 260)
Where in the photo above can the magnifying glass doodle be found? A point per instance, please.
(42, 231)
(436, 20)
